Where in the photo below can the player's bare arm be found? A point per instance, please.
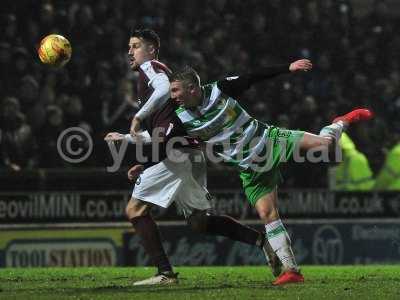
(141, 137)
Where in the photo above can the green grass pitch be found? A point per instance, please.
(322, 282)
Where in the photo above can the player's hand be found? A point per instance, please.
(15, 167)
(114, 137)
(135, 126)
(134, 172)
(300, 65)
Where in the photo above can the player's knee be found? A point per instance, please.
(136, 208)
(198, 221)
(331, 145)
(268, 214)
(316, 143)
(334, 151)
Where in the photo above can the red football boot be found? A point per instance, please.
(289, 277)
(360, 114)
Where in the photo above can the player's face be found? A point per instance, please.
(184, 94)
(139, 52)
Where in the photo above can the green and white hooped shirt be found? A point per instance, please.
(221, 122)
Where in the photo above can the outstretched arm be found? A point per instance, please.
(142, 137)
(234, 86)
(145, 140)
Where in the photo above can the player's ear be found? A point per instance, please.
(151, 49)
(191, 87)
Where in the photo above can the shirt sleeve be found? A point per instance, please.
(142, 137)
(236, 85)
(160, 83)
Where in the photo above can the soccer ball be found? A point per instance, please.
(55, 50)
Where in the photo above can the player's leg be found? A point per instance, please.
(160, 185)
(194, 200)
(326, 140)
(260, 189)
(198, 217)
(330, 135)
(310, 141)
(278, 237)
(202, 222)
(138, 213)
(154, 187)
(276, 234)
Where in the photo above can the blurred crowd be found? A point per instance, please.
(355, 58)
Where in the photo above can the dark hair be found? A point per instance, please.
(187, 74)
(149, 36)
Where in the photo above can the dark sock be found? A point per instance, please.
(150, 237)
(229, 227)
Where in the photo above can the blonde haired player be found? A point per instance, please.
(212, 114)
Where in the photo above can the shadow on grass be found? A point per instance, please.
(176, 288)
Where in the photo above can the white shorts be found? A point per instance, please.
(183, 181)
